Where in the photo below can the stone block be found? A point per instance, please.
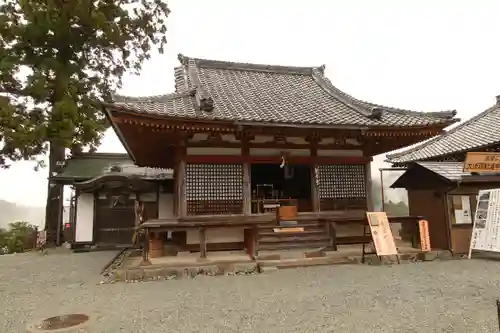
(246, 268)
(135, 274)
(445, 255)
(152, 273)
(211, 270)
(430, 256)
(167, 272)
(268, 269)
(120, 275)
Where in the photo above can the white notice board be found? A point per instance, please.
(486, 229)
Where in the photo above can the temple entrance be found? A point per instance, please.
(270, 182)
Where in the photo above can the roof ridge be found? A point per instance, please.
(203, 100)
(367, 109)
(98, 155)
(244, 66)
(371, 108)
(335, 92)
(447, 133)
(150, 98)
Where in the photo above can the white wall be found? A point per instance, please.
(84, 231)
(217, 235)
(165, 205)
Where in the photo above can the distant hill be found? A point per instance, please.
(11, 212)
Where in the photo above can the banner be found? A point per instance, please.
(425, 241)
(486, 229)
(381, 233)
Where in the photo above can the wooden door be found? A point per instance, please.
(114, 222)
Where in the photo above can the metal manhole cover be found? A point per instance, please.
(60, 323)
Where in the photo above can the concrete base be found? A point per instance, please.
(182, 266)
(128, 267)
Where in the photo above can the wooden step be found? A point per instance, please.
(285, 234)
(298, 224)
(293, 245)
(293, 239)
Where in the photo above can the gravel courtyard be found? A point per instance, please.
(450, 296)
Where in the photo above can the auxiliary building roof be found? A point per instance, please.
(478, 132)
(87, 166)
(255, 94)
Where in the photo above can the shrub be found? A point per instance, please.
(19, 237)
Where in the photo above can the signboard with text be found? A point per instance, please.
(482, 162)
(486, 228)
(381, 233)
(425, 242)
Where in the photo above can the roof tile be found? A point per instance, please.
(449, 170)
(270, 94)
(479, 131)
(87, 166)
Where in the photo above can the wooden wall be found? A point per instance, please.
(431, 204)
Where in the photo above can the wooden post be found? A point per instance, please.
(203, 243)
(368, 185)
(180, 181)
(314, 179)
(247, 186)
(332, 231)
(145, 250)
(255, 241)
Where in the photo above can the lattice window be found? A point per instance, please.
(342, 186)
(214, 189)
(342, 181)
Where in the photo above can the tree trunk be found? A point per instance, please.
(53, 209)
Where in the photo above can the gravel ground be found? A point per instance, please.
(449, 296)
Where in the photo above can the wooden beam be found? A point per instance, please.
(233, 159)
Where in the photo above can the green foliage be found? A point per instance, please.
(19, 237)
(396, 208)
(58, 58)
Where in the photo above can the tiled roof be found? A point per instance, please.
(249, 93)
(450, 170)
(481, 130)
(90, 165)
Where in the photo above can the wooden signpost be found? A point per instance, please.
(425, 243)
(382, 234)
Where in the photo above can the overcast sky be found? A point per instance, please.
(424, 55)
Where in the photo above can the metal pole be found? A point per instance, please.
(382, 188)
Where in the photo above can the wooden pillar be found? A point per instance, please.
(314, 178)
(368, 185)
(145, 249)
(247, 186)
(203, 243)
(180, 179)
